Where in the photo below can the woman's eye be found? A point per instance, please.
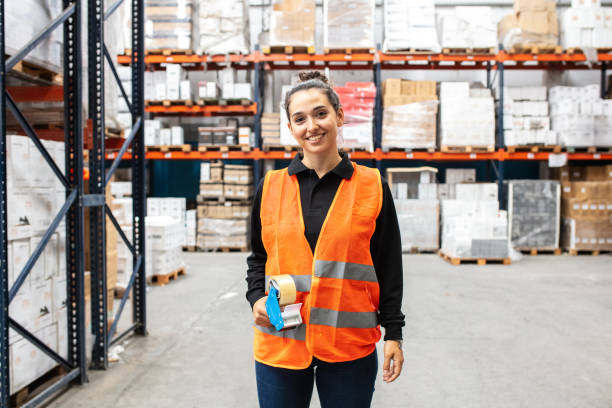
(321, 114)
(298, 120)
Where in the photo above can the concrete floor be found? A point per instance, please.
(534, 334)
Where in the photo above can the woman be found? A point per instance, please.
(332, 226)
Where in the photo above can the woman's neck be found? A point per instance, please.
(322, 163)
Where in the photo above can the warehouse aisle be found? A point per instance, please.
(533, 334)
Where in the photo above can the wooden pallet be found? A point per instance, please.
(534, 148)
(413, 51)
(594, 252)
(119, 292)
(538, 251)
(279, 148)
(408, 149)
(28, 71)
(467, 149)
(478, 261)
(162, 51)
(161, 280)
(288, 49)
(421, 251)
(576, 50)
(37, 386)
(350, 50)
(168, 148)
(352, 149)
(200, 199)
(536, 49)
(223, 101)
(226, 249)
(190, 248)
(469, 51)
(224, 148)
(167, 102)
(589, 149)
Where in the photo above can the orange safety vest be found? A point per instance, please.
(337, 284)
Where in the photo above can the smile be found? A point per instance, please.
(314, 138)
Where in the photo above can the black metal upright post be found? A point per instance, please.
(138, 167)
(97, 214)
(258, 96)
(4, 300)
(603, 85)
(73, 136)
(378, 113)
(500, 133)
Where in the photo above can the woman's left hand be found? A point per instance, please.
(393, 352)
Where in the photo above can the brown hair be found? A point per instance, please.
(313, 80)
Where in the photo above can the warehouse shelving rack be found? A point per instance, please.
(100, 178)
(72, 209)
(378, 62)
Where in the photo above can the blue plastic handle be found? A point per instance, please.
(273, 309)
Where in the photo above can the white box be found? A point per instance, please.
(476, 191)
(177, 135)
(212, 91)
(174, 74)
(244, 135)
(121, 188)
(454, 90)
(243, 91)
(160, 91)
(580, 4)
(454, 176)
(165, 137)
(59, 294)
(228, 91)
(185, 91)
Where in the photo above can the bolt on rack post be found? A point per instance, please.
(72, 209)
(100, 177)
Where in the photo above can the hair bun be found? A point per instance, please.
(308, 75)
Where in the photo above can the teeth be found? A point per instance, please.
(314, 138)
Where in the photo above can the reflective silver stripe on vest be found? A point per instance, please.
(345, 270)
(353, 320)
(299, 333)
(302, 282)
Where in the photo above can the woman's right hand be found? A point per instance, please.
(260, 315)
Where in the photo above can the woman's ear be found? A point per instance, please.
(340, 117)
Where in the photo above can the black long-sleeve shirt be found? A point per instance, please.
(316, 198)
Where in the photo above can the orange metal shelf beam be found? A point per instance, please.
(36, 93)
(207, 110)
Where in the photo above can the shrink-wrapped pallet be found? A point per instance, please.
(348, 24)
(357, 100)
(168, 24)
(419, 223)
(533, 23)
(534, 208)
(223, 27)
(410, 25)
(467, 28)
(292, 23)
(410, 126)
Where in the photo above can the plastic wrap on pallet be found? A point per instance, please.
(474, 229)
(468, 27)
(465, 120)
(348, 24)
(419, 223)
(580, 117)
(165, 232)
(587, 235)
(293, 22)
(223, 227)
(410, 126)
(211, 242)
(526, 117)
(410, 25)
(585, 28)
(223, 27)
(357, 100)
(168, 24)
(23, 21)
(532, 23)
(534, 208)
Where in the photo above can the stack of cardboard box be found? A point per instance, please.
(533, 22)
(292, 23)
(348, 24)
(35, 195)
(467, 115)
(168, 24)
(580, 117)
(526, 117)
(357, 100)
(467, 28)
(418, 209)
(586, 25)
(224, 205)
(410, 25)
(410, 112)
(587, 208)
(223, 27)
(270, 129)
(166, 238)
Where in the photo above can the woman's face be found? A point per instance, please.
(313, 121)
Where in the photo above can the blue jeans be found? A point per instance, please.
(349, 384)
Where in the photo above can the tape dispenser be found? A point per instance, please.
(283, 313)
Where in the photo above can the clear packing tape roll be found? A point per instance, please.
(285, 286)
(282, 311)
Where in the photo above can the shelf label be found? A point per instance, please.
(472, 155)
(409, 155)
(112, 155)
(287, 155)
(168, 155)
(596, 156)
(348, 154)
(530, 156)
(557, 160)
(224, 155)
(169, 59)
